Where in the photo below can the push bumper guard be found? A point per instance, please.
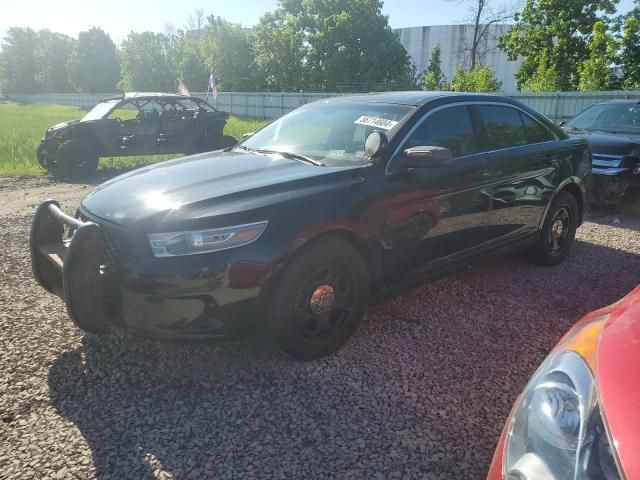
(67, 268)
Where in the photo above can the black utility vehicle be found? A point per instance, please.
(133, 124)
(613, 132)
(294, 231)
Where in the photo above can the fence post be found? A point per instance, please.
(557, 117)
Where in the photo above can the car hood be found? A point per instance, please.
(609, 143)
(62, 125)
(192, 192)
(618, 364)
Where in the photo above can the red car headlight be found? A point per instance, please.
(556, 431)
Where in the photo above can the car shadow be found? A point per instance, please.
(625, 214)
(456, 353)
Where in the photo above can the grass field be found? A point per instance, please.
(22, 126)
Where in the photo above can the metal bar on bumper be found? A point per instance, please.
(69, 269)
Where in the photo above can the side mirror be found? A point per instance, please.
(426, 156)
(375, 143)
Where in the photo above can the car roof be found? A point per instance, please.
(152, 95)
(417, 98)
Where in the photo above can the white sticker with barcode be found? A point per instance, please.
(383, 123)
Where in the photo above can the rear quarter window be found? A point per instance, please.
(535, 131)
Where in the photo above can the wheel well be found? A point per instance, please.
(574, 190)
(371, 259)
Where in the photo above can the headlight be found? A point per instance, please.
(556, 431)
(203, 241)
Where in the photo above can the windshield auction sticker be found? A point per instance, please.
(383, 123)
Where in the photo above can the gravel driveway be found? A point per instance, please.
(421, 391)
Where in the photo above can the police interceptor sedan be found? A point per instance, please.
(293, 232)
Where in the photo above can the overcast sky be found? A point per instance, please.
(118, 17)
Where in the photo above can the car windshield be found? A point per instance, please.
(609, 117)
(328, 132)
(99, 111)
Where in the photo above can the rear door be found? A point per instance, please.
(523, 165)
(433, 213)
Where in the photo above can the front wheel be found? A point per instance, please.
(558, 231)
(320, 299)
(76, 158)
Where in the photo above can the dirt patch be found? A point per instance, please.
(421, 391)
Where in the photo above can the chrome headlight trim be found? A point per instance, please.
(194, 242)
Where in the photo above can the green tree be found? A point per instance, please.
(630, 48)
(94, 66)
(337, 42)
(280, 51)
(544, 79)
(433, 78)
(190, 61)
(553, 35)
(18, 61)
(478, 79)
(53, 52)
(147, 63)
(595, 72)
(229, 55)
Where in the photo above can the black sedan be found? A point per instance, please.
(613, 132)
(133, 124)
(296, 230)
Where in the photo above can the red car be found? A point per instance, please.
(579, 415)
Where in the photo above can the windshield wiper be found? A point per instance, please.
(292, 155)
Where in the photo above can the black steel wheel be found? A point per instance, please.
(558, 231)
(320, 299)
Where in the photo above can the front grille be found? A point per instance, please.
(607, 161)
(116, 246)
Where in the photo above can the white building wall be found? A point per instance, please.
(454, 41)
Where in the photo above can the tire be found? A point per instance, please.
(76, 158)
(558, 231)
(227, 141)
(207, 144)
(328, 268)
(41, 155)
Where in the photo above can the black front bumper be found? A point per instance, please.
(69, 269)
(195, 298)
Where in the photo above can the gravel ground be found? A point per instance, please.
(421, 391)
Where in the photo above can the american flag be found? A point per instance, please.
(213, 87)
(183, 90)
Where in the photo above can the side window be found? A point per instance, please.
(151, 108)
(536, 132)
(503, 127)
(125, 111)
(449, 128)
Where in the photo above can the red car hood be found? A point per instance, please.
(618, 372)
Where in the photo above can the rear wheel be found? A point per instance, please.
(558, 231)
(211, 143)
(320, 299)
(76, 158)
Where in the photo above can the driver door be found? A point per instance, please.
(123, 128)
(436, 214)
